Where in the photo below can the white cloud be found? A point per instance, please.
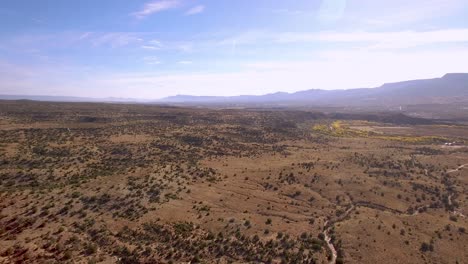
(152, 60)
(155, 42)
(84, 35)
(114, 39)
(153, 45)
(185, 62)
(155, 7)
(243, 41)
(375, 40)
(148, 47)
(195, 10)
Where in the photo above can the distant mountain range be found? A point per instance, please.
(48, 98)
(452, 88)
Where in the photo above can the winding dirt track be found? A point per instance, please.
(457, 169)
(328, 225)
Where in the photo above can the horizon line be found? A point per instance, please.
(134, 99)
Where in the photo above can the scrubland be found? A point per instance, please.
(107, 183)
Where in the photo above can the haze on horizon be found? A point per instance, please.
(153, 49)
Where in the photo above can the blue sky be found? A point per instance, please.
(152, 49)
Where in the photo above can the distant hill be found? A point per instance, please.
(66, 98)
(451, 88)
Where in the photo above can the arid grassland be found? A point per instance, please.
(110, 183)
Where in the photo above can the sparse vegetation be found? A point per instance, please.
(149, 184)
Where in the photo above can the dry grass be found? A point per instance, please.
(93, 183)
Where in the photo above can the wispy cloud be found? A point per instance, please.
(152, 60)
(243, 41)
(195, 10)
(185, 62)
(155, 7)
(148, 47)
(381, 40)
(84, 35)
(288, 11)
(114, 39)
(153, 45)
(361, 39)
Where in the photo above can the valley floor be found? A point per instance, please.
(104, 183)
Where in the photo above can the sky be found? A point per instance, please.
(152, 49)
